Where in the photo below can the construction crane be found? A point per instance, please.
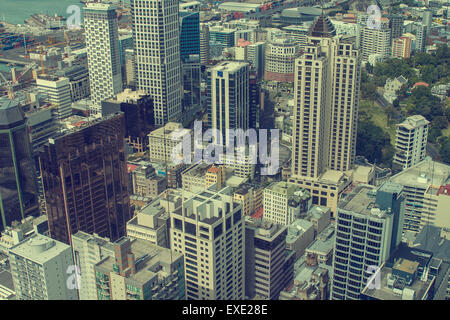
(8, 86)
(67, 38)
(42, 63)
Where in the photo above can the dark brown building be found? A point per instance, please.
(85, 180)
(139, 116)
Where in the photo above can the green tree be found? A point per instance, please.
(440, 122)
(371, 141)
(444, 151)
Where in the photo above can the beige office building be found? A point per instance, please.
(162, 141)
(326, 90)
(208, 229)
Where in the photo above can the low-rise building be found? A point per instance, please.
(300, 236)
(140, 270)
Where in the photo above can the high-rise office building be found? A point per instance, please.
(326, 90)
(204, 44)
(88, 250)
(137, 107)
(190, 59)
(411, 141)
(156, 34)
(40, 268)
(18, 187)
(209, 230)
(102, 41)
(265, 259)
(85, 180)
(228, 97)
(58, 91)
(368, 229)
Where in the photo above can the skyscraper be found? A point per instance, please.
(18, 188)
(190, 58)
(85, 180)
(368, 229)
(326, 89)
(209, 230)
(228, 97)
(156, 34)
(102, 41)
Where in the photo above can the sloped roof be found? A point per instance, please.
(322, 27)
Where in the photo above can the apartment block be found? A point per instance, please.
(88, 250)
(401, 48)
(411, 141)
(279, 60)
(39, 268)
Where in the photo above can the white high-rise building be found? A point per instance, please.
(42, 269)
(208, 229)
(58, 91)
(228, 97)
(102, 41)
(411, 141)
(88, 250)
(375, 41)
(156, 34)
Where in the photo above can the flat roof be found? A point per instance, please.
(39, 248)
(385, 293)
(150, 255)
(423, 174)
